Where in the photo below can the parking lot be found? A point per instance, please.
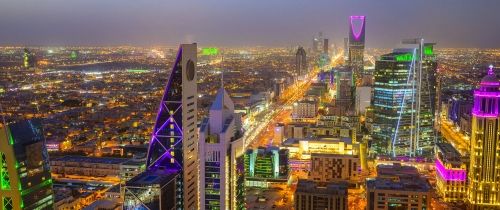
(273, 198)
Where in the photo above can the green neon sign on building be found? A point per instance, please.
(209, 51)
(404, 57)
(428, 50)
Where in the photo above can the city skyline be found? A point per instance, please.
(57, 22)
(250, 105)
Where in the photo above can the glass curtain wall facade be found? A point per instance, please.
(392, 103)
(25, 179)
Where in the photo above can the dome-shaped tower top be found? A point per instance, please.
(490, 79)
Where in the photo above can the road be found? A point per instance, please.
(279, 111)
(261, 133)
(454, 137)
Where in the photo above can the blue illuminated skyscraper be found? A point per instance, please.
(392, 102)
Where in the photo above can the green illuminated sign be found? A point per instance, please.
(137, 70)
(209, 51)
(428, 50)
(73, 55)
(404, 57)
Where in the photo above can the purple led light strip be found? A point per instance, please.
(357, 35)
(162, 125)
(486, 94)
(450, 174)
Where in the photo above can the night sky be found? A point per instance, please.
(450, 23)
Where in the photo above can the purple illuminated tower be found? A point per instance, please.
(484, 173)
(356, 43)
(174, 142)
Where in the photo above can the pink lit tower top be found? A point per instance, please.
(484, 176)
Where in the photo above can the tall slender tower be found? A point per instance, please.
(25, 180)
(220, 146)
(357, 43)
(300, 62)
(484, 173)
(174, 142)
(426, 100)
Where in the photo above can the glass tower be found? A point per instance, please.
(300, 62)
(25, 180)
(392, 103)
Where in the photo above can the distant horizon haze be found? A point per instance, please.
(226, 23)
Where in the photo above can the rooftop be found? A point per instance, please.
(398, 177)
(103, 160)
(153, 177)
(331, 188)
(448, 154)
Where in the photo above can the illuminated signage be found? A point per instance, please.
(428, 50)
(404, 57)
(209, 51)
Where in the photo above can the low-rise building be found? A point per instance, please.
(266, 166)
(334, 167)
(305, 109)
(90, 166)
(398, 187)
(451, 173)
(303, 148)
(311, 195)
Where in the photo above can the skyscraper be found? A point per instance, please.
(405, 124)
(318, 43)
(300, 62)
(173, 149)
(483, 175)
(25, 180)
(346, 49)
(425, 100)
(357, 43)
(28, 59)
(392, 103)
(220, 146)
(325, 46)
(345, 88)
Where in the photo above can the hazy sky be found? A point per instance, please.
(450, 23)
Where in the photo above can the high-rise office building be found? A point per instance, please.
(25, 180)
(483, 175)
(220, 146)
(311, 195)
(393, 94)
(407, 123)
(424, 79)
(425, 100)
(173, 149)
(325, 46)
(28, 59)
(318, 43)
(300, 62)
(357, 26)
(344, 82)
(346, 49)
